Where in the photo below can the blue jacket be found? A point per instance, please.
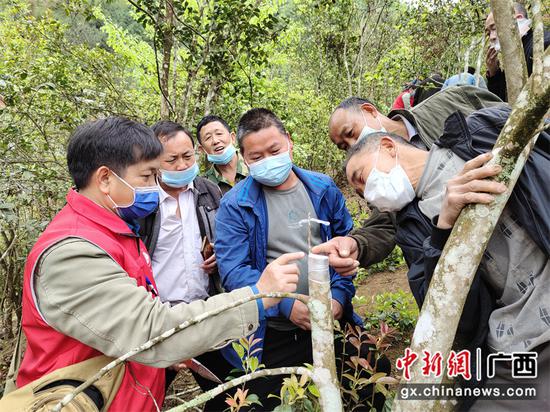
(241, 241)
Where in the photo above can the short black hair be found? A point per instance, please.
(166, 130)
(209, 119)
(115, 142)
(370, 143)
(353, 102)
(255, 120)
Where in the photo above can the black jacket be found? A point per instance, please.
(422, 242)
(497, 83)
(376, 237)
(207, 201)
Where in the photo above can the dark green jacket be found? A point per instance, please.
(376, 238)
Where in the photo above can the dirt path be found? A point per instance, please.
(378, 283)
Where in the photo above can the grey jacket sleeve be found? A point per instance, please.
(83, 293)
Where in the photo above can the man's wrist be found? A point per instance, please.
(260, 302)
(359, 247)
(442, 223)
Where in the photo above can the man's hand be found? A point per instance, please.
(470, 186)
(342, 254)
(300, 315)
(279, 276)
(337, 310)
(491, 60)
(178, 366)
(210, 264)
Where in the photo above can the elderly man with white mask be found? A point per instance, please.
(507, 307)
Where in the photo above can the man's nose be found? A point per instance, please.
(180, 165)
(493, 35)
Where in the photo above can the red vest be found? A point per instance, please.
(47, 349)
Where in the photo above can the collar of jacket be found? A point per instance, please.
(92, 211)
(250, 193)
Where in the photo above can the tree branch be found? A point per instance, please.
(152, 342)
(206, 396)
(538, 40)
(513, 57)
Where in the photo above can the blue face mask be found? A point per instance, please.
(273, 170)
(146, 201)
(179, 178)
(223, 158)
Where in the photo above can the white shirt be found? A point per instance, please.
(177, 258)
(411, 130)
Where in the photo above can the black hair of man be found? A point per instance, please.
(166, 130)
(115, 142)
(255, 120)
(353, 102)
(209, 119)
(370, 143)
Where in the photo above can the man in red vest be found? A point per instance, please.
(88, 286)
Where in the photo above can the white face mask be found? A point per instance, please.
(523, 27)
(389, 192)
(368, 130)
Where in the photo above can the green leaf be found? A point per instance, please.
(314, 391)
(239, 349)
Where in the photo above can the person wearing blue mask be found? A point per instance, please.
(218, 143)
(175, 233)
(259, 220)
(89, 288)
(179, 235)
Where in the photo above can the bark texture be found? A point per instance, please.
(513, 58)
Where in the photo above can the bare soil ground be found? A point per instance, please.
(379, 283)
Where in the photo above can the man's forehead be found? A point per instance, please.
(490, 20)
(264, 137)
(144, 166)
(212, 126)
(341, 117)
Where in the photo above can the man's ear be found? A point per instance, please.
(233, 137)
(201, 149)
(103, 178)
(389, 145)
(369, 108)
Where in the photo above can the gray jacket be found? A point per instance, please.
(429, 116)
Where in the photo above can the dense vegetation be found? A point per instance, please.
(63, 62)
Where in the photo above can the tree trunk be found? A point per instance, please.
(513, 58)
(174, 95)
(322, 335)
(167, 23)
(453, 276)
